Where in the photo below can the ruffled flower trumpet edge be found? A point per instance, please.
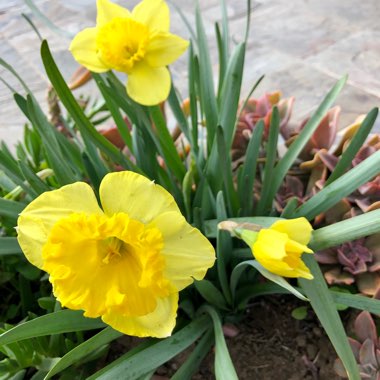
(125, 261)
(278, 248)
(137, 43)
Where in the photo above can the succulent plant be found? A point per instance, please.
(354, 262)
(366, 348)
(323, 137)
(255, 110)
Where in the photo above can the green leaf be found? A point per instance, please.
(194, 360)
(224, 368)
(211, 294)
(9, 246)
(79, 352)
(9, 67)
(340, 188)
(354, 146)
(270, 276)
(206, 82)
(230, 94)
(32, 179)
(113, 108)
(224, 172)
(346, 230)
(10, 209)
(223, 248)
(295, 149)
(62, 321)
(166, 144)
(323, 304)
(265, 203)
(58, 162)
(248, 171)
(132, 367)
(89, 133)
(223, 42)
(193, 95)
(356, 301)
(299, 313)
(178, 113)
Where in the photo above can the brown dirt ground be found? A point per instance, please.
(270, 344)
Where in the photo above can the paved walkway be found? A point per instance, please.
(302, 47)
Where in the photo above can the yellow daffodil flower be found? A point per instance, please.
(279, 247)
(124, 262)
(137, 43)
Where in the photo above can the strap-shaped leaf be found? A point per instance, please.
(323, 304)
(62, 321)
(105, 336)
(135, 366)
(224, 368)
(9, 246)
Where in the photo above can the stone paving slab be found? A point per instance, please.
(302, 47)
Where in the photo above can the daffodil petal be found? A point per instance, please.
(83, 48)
(297, 229)
(153, 13)
(293, 246)
(134, 195)
(188, 254)
(37, 219)
(106, 11)
(270, 244)
(148, 85)
(159, 324)
(164, 48)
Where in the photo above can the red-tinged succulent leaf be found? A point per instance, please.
(367, 372)
(378, 375)
(328, 159)
(368, 283)
(339, 369)
(285, 108)
(355, 347)
(354, 267)
(365, 328)
(366, 205)
(367, 353)
(80, 77)
(354, 256)
(327, 256)
(363, 154)
(373, 244)
(338, 212)
(113, 135)
(322, 156)
(377, 352)
(325, 134)
(347, 134)
(337, 277)
(371, 188)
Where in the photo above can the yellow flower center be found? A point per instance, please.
(121, 43)
(106, 264)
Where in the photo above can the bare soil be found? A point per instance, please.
(270, 345)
